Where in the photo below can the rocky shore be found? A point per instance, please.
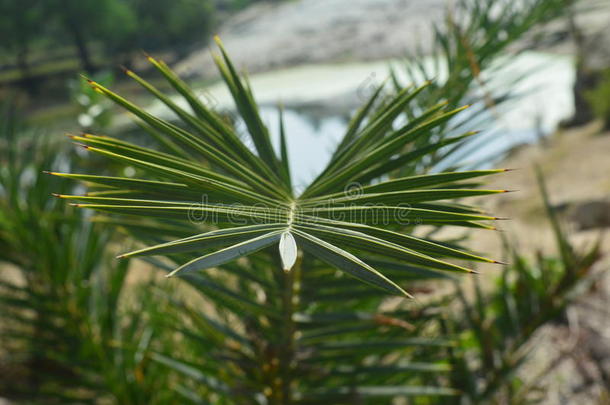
(269, 36)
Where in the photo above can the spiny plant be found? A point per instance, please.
(211, 175)
(278, 326)
(498, 328)
(470, 51)
(68, 337)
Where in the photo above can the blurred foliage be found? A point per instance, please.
(20, 25)
(36, 32)
(472, 50)
(183, 23)
(498, 326)
(68, 335)
(82, 21)
(599, 98)
(232, 5)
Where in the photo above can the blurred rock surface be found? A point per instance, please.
(270, 36)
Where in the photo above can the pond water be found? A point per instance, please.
(319, 99)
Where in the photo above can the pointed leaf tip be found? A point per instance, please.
(288, 251)
(127, 71)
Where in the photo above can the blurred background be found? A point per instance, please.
(545, 97)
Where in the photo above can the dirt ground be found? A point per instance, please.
(576, 167)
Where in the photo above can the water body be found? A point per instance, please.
(319, 99)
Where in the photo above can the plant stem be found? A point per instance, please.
(291, 285)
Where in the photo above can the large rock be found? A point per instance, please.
(590, 214)
(268, 36)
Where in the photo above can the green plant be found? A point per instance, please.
(283, 326)
(243, 188)
(81, 23)
(185, 23)
(68, 336)
(245, 331)
(18, 31)
(497, 327)
(471, 50)
(599, 98)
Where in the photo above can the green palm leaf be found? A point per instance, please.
(243, 200)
